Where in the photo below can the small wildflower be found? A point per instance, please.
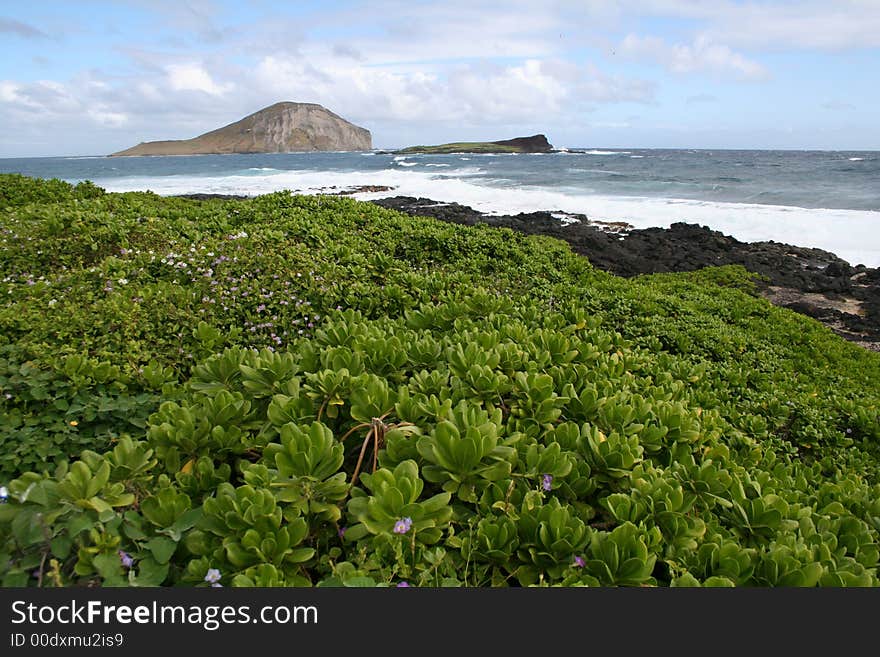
(403, 585)
(213, 576)
(402, 526)
(341, 532)
(547, 482)
(579, 562)
(74, 423)
(4, 494)
(126, 559)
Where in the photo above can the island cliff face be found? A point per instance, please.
(280, 128)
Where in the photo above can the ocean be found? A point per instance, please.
(824, 199)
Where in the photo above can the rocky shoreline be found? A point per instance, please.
(810, 281)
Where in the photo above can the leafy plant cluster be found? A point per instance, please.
(463, 407)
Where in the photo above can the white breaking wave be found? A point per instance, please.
(855, 159)
(851, 234)
(598, 152)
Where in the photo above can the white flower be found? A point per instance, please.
(123, 281)
(52, 302)
(4, 493)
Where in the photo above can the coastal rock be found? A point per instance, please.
(810, 281)
(280, 128)
(533, 144)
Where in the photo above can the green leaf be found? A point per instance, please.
(149, 573)
(162, 548)
(359, 582)
(108, 566)
(60, 546)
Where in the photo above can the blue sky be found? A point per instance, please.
(93, 77)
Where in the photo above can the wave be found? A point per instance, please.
(855, 159)
(598, 152)
(607, 172)
(262, 169)
(851, 234)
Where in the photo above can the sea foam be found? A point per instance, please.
(851, 234)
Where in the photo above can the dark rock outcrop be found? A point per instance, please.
(810, 281)
(533, 144)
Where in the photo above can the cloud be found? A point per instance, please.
(838, 105)
(701, 98)
(611, 125)
(9, 26)
(346, 51)
(9, 92)
(805, 24)
(193, 77)
(702, 56)
(839, 25)
(483, 92)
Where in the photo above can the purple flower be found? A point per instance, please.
(341, 532)
(402, 526)
(547, 482)
(403, 585)
(213, 576)
(579, 562)
(126, 559)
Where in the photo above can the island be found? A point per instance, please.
(284, 127)
(533, 144)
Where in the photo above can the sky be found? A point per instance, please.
(93, 77)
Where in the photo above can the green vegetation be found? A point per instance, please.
(461, 147)
(313, 391)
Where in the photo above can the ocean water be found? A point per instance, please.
(824, 199)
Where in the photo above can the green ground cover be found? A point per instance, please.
(314, 391)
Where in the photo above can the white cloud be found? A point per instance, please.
(807, 24)
(702, 56)
(838, 105)
(108, 118)
(9, 92)
(484, 92)
(193, 77)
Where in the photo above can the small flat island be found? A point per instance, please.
(533, 144)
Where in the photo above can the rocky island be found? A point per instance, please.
(280, 128)
(533, 144)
